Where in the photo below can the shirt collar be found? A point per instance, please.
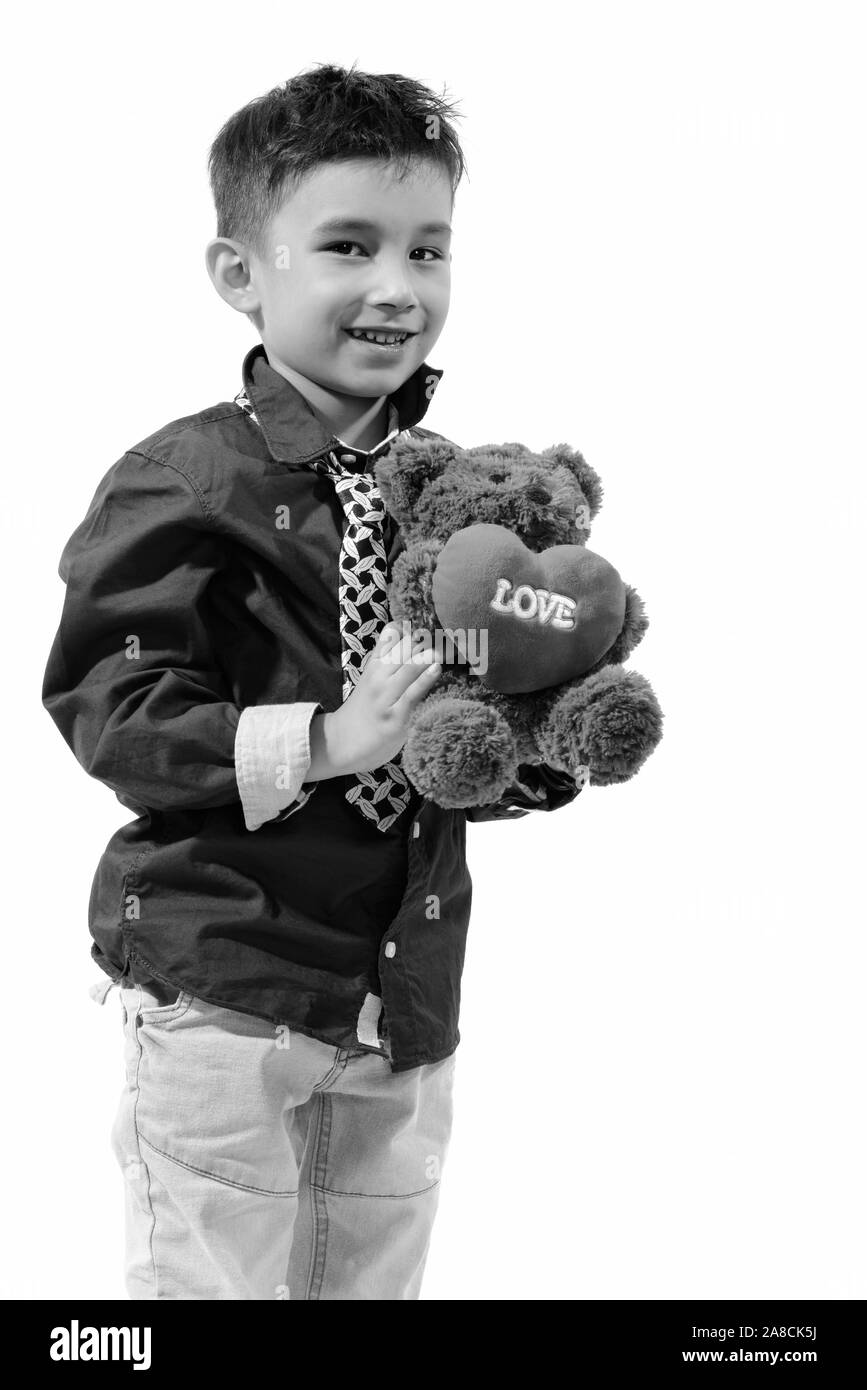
(294, 434)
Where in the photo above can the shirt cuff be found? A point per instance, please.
(272, 756)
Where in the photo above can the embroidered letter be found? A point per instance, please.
(523, 592)
(542, 604)
(499, 600)
(565, 615)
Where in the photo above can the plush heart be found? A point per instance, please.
(526, 621)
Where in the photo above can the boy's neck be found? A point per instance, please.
(359, 422)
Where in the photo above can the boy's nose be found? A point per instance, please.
(392, 289)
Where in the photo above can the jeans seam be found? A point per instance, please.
(139, 1137)
(378, 1196)
(319, 1209)
(227, 1182)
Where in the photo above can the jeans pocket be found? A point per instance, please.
(144, 1006)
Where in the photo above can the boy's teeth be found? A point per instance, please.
(379, 337)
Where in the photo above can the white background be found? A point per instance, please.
(658, 258)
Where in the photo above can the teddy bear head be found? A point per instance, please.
(433, 489)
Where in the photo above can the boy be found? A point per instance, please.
(286, 917)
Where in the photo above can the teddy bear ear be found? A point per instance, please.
(404, 471)
(587, 478)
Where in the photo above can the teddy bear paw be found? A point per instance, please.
(459, 752)
(606, 725)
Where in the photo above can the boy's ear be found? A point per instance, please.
(405, 470)
(588, 479)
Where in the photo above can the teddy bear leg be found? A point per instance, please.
(607, 724)
(459, 752)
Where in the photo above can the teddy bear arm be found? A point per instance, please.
(410, 588)
(635, 624)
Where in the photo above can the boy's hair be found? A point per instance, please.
(320, 116)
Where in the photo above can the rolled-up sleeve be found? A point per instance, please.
(272, 757)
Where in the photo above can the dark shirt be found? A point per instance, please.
(184, 605)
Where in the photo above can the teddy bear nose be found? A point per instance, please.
(537, 493)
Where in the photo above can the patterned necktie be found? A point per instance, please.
(382, 794)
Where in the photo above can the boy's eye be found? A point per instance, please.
(339, 247)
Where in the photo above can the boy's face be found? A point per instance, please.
(382, 264)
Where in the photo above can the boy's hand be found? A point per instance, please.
(370, 727)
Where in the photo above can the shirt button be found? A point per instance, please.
(390, 949)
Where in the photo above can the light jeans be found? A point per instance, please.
(260, 1163)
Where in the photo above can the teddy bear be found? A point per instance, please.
(531, 626)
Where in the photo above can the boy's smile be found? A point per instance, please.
(354, 289)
